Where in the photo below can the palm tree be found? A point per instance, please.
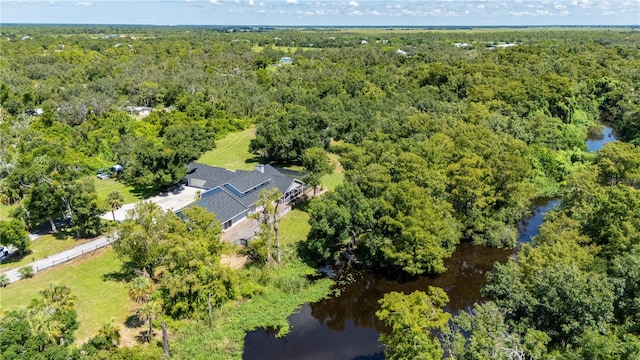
(59, 297)
(42, 325)
(140, 289)
(148, 312)
(110, 332)
(115, 200)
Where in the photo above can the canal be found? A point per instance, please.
(345, 326)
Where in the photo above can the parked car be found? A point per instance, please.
(103, 174)
(3, 252)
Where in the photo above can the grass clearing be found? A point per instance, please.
(131, 195)
(43, 247)
(99, 299)
(232, 152)
(293, 227)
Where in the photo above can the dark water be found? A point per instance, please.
(345, 326)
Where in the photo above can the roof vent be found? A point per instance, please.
(261, 168)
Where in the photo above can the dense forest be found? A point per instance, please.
(444, 137)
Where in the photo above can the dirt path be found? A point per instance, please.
(234, 261)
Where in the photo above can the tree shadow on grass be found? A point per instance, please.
(133, 322)
(145, 192)
(303, 206)
(118, 276)
(252, 160)
(63, 234)
(15, 257)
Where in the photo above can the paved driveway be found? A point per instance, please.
(172, 200)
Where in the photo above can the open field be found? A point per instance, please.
(41, 248)
(100, 298)
(232, 152)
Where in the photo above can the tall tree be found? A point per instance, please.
(140, 289)
(14, 233)
(142, 236)
(317, 164)
(149, 311)
(115, 200)
(411, 319)
(263, 245)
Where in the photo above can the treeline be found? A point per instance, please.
(573, 293)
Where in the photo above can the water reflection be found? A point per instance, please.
(597, 141)
(345, 326)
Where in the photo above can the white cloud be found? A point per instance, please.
(353, 3)
(519, 13)
(292, 1)
(214, 2)
(559, 6)
(250, 2)
(83, 3)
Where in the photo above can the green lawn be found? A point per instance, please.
(332, 180)
(294, 227)
(98, 301)
(232, 152)
(105, 186)
(41, 248)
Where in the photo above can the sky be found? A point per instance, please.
(324, 13)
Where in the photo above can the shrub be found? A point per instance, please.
(4, 280)
(26, 272)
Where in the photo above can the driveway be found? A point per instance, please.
(172, 200)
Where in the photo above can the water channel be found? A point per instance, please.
(345, 326)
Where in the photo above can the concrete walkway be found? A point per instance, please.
(173, 200)
(62, 257)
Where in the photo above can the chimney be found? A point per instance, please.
(261, 168)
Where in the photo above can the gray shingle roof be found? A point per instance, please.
(214, 176)
(223, 204)
(230, 193)
(249, 181)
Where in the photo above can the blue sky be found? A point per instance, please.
(331, 12)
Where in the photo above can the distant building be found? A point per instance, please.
(461, 45)
(503, 46)
(286, 60)
(138, 110)
(401, 52)
(232, 195)
(34, 112)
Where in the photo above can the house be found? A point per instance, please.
(286, 60)
(232, 195)
(401, 52)
(34, 112)
(138, 110)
